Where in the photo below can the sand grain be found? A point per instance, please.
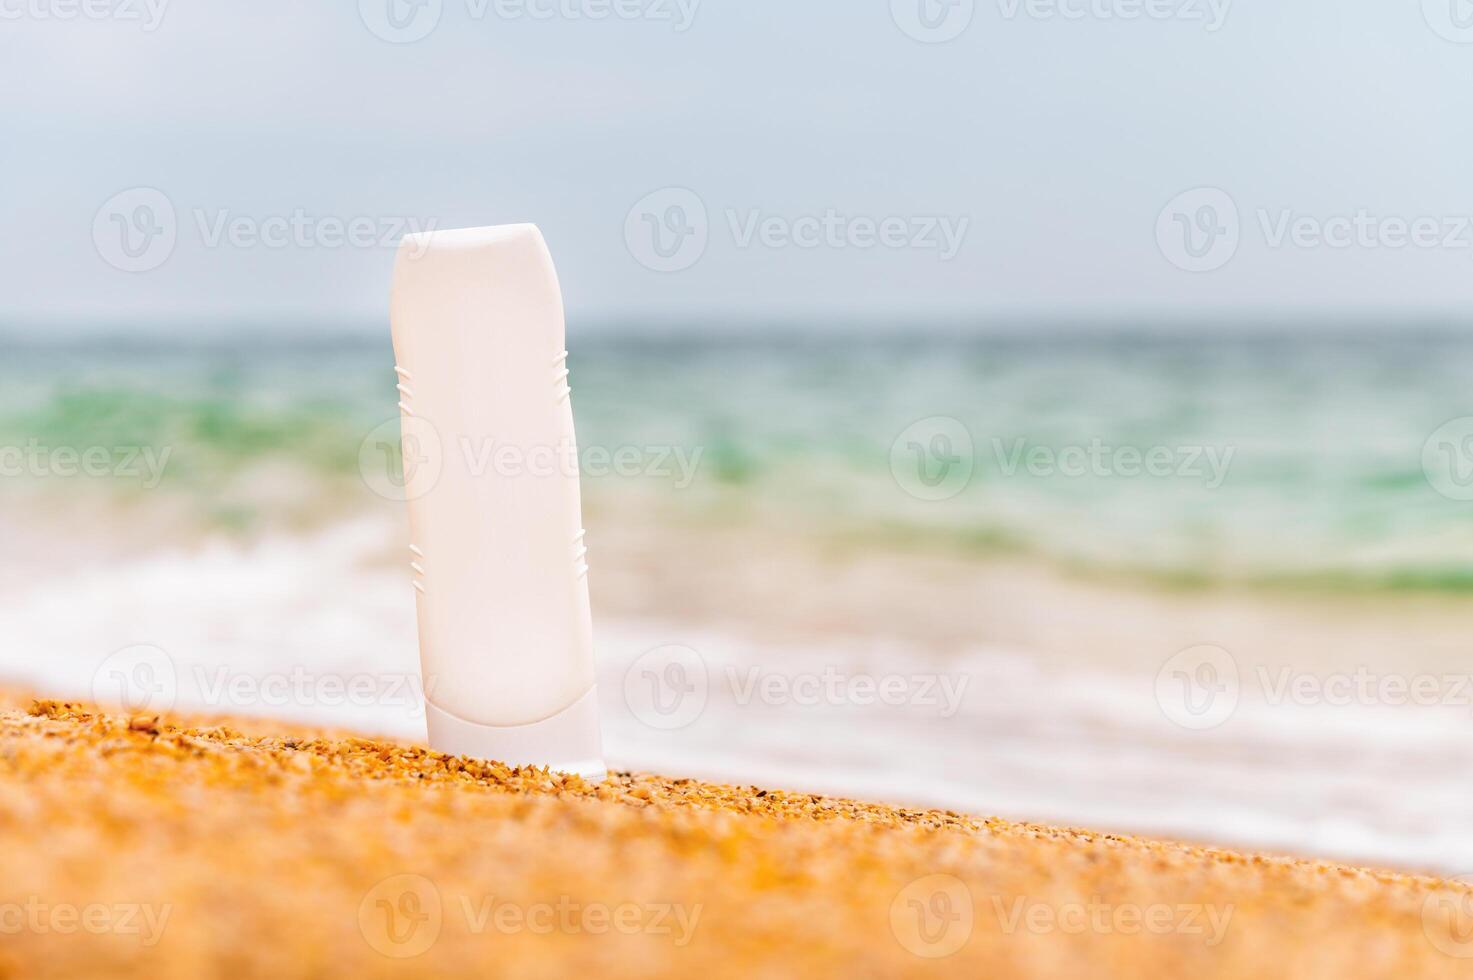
(260, 850)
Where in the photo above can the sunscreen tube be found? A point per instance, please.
(491, 476)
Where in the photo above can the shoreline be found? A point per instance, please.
(1059, 718)
(756, 581)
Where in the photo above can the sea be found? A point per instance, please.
(215, 509)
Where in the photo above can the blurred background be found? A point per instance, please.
(1055, 409)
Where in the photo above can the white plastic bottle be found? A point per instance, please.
(491, 474)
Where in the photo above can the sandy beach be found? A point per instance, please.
(246, 849)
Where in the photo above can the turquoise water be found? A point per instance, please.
(1288, 460)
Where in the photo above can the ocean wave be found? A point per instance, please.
(1288, 464)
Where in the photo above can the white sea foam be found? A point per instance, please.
(266, 629)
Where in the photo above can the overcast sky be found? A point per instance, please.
(717, 160)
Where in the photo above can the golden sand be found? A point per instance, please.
(181, 847)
